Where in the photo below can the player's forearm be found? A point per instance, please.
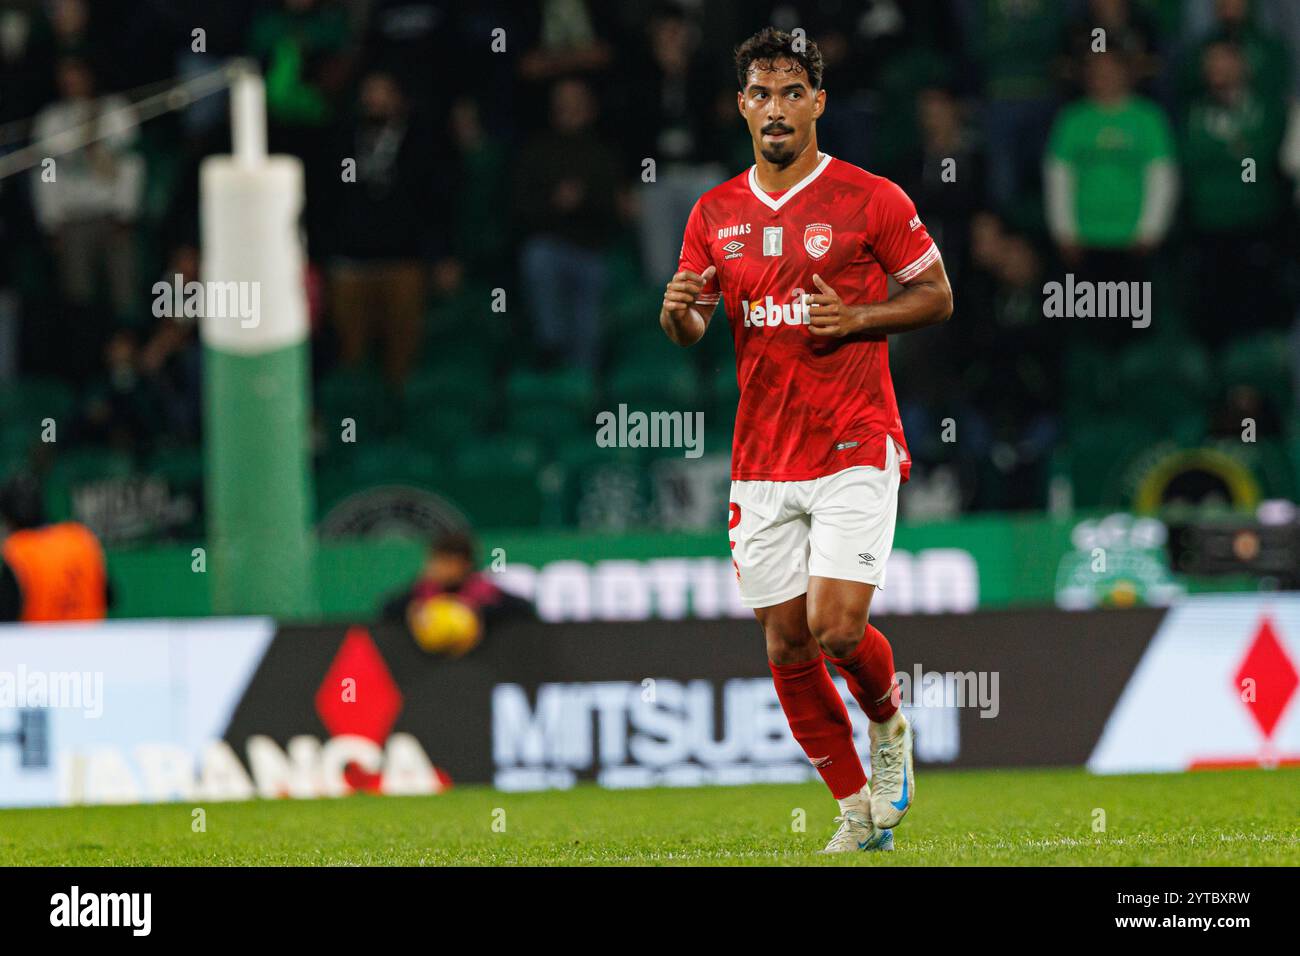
(684, 327)
(919, 305)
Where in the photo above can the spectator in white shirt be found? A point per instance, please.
(87, 200)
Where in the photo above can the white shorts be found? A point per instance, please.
(838, 526)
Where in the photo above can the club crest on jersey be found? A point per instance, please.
(817, 239)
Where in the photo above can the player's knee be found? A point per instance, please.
(785, 647)
(837, 634)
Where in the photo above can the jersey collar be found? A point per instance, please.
(775, 204)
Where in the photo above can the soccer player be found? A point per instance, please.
(801, 246)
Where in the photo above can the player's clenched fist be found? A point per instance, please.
(827, 313)
(684, 289)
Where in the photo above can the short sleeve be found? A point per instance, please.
(898, 239)
(695, 255)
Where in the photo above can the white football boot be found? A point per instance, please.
(857, 834)
(893, 785)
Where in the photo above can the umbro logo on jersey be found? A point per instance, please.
(866, 558)
(817, 239)
(732, 249)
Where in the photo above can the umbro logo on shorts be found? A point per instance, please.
(867, 558)
(844, 445)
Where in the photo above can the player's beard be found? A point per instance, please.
(779, 156)
(782, 154)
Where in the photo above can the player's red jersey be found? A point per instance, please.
(809, 406)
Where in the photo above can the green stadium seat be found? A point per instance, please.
(1090, 384)
(1264, 361)
(395, 462)
(1169, 380)
(442, 428)
(462, 348)
(443, 405)
(16, 442)
(550, 426)
(456, 382)
(581, 452)
(1098, 452)
(496, 502)
(495, 481)
(31, 400)
(181, 467)
(623, 265)
(1168, 364)
(632, 308)
(574, 388)
(645, 343)
(655, 385)
(358, 394)
(465, 321)
(506, 454)
(551, 406)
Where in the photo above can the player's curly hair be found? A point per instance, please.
(770, 44)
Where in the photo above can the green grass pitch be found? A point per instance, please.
(1035, 817)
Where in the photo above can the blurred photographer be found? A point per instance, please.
(450, 605)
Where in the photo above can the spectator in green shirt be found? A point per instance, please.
(301, 43)
(1111, 179)
(1227, 124)
(303, 46)
(1268, 61)
(1235, 208)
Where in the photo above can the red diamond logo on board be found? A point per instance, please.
(1267, 678)
(367, 706)
(1217, 687)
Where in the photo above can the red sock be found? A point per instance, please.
(869, 671)
(820, 722)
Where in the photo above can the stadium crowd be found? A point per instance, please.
(556, 174)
